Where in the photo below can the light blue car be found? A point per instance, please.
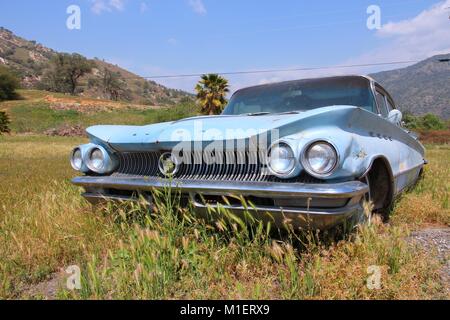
(308, 152)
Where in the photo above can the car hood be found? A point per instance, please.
(212, 128)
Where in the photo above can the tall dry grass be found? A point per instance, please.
(428, 202)
(124, 252)
(44, 224)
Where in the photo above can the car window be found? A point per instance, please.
(390, 106)
(302, 95)
(381, 101)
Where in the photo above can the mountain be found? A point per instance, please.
(420, 88)
(29, 59)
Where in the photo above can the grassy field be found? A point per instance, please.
(124, 252)
(38, 111)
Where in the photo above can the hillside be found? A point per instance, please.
(42, 112)
(420, 88)
(29, 60)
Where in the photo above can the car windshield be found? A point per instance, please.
(302, 95)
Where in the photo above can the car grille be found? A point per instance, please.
(247, 166)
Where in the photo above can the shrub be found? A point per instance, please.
(433, 122)
(4, 123)
(8, 84)
(427, 122)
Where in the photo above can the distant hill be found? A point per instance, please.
(420, 88)
(29, 59)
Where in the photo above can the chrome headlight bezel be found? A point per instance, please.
(108, 163)
(293, 167)
(72, 159)
(305, 161)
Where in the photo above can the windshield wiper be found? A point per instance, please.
(291, 112)
(255, 113)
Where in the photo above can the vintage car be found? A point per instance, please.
(309, 152)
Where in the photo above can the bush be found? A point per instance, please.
(433, 122)
(427, 122)
(8, 84)
(4, 123)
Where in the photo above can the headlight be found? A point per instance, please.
(281, 159)
(99, 161)
(320, 158)
(77, 159)
(96, 160)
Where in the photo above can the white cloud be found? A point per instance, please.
(427, 21)
(417, 38)
(197, 6)
(420, 37)
(100, 6)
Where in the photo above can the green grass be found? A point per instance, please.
(33, 114)
(126, 253)
(37, 118)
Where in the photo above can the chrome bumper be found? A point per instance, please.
(317, 218)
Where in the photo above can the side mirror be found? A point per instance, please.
(395, 116)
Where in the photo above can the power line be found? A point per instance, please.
(281, 70)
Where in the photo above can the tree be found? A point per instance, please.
(113, 84)
(4, 122)
(8, 84)
(65, 72)
(211, 93)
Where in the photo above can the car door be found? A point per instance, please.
(406, 154)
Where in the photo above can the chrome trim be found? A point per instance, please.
(145, 164)
(98, 198)
(298, 218)
(400, 173)
(336, 190)
(174, 161)
(312, 212)
(72, 163)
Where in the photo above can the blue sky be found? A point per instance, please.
(153, 37)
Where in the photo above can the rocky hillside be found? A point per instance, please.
(421, 88)
(29, 60)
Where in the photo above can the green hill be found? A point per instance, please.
(29, 60)
(420, 88)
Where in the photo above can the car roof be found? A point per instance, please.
(318, 79)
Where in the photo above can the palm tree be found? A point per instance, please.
(211, 93)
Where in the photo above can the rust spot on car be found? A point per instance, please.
(361, 154)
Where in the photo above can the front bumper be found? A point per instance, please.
(317, 214)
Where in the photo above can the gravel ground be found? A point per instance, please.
(437, 239)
